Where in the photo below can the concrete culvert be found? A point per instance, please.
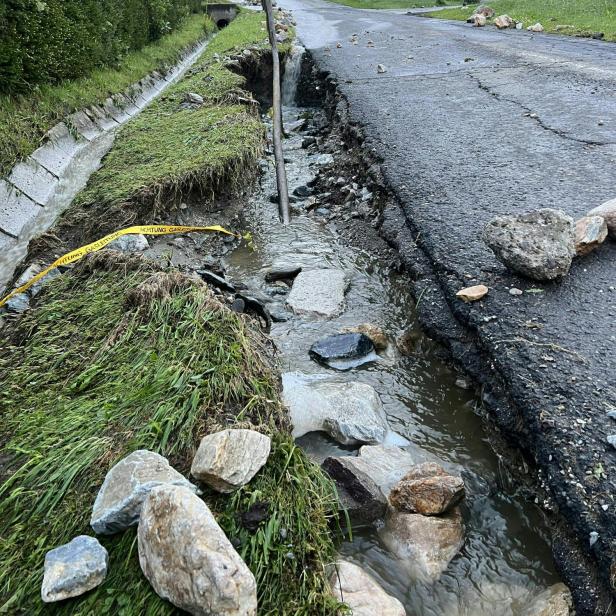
(222, 23)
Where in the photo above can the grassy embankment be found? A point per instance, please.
(119, 355)
(573, 17)
(24, 119)
(393, 4)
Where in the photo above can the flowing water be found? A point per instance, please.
(506, 554)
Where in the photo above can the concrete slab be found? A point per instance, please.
(119, 114)
(57, 153)
(101, 119)
(84, 125)
(16, 211)
(34, 180)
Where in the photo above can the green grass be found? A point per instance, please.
(392, 4)
(573, 17)
(120, 355)
(24, 120)
(166, 152)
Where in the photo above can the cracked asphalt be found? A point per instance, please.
(470, 123)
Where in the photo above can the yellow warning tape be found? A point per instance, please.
(78, 253)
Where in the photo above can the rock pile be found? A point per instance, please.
(183, 552)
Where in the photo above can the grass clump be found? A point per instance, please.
(121, 355)
(171, 150)
(573, 17)
(24, 119)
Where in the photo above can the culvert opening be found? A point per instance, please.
(222, 23)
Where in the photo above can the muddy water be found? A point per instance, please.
(506, 552)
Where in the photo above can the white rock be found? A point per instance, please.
(118, 503)
(351, 413)
(318, 292)
(425, 545)
(535, 28)
(188, 559)
(129, 243)
(361, 592)
(381, 68)
(73, 568)
(229, 459)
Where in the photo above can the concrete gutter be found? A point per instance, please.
(41, 187)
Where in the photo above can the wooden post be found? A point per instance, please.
(281, 173)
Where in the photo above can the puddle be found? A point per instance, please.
(506, 553)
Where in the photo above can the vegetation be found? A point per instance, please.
(393, 4)
(172, 149)
(574, 17)
(24, 119)
(121, 355)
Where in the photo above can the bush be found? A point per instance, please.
(47, 41)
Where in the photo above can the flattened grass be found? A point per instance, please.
(100, 368)
(573, 17)
(24, 120)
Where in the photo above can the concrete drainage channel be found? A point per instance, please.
(40, 188)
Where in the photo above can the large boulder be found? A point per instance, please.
(427, 489)
(351, 585)
(351, 413)
(504, 21)
(538, 245)
(229, 459)
(425, 545)
(73, 569)
(188, 559)
(607, 211)
(343, 351)
(118, 503)
(590, 233)
(485, 11)
(554, 601)
(318, 292)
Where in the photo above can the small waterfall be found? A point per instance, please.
(292, 70)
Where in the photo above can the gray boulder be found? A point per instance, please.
(351, 413)
(188, 559)
(119, 501)
(538, 245)
(318, 292)
(336, 351)
(351, 585)
(425, 545)
(130, 243)
(73, 569)
(229, 459)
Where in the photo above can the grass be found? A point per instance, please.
(573, 17)
(120, 355)
(393, 4)
(24, 120)
(167, 152)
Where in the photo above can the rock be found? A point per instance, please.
(406, 342)
(297, 125)
(374, 332)
(462, 383)
(188, 559)
(380, 68)
(519, 25)
(238, 305)
(539, 245)
(598, 36)
(486, 11)
(554, 601)
(302, 191)
(282, 272)
(341, 347)
(325, 159)
(477, 20)
(308, 141)
(194, 99)
(611, 439)
(424, 544)
(351, 585)
(608, 211)
(515, 292)
(351, 413)
(130, 243)
(361, 498)
(18, 303)
(118, 503)
(214, 280)
(73, 569)
(535, 28)
(229, 459)
(318, 292)
(590, 232)
(427, 489)
(504, 21)
(473, 294)
(32, 271)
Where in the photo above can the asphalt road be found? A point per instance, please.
(451, 120)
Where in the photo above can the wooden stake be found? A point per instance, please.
(281, 173)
